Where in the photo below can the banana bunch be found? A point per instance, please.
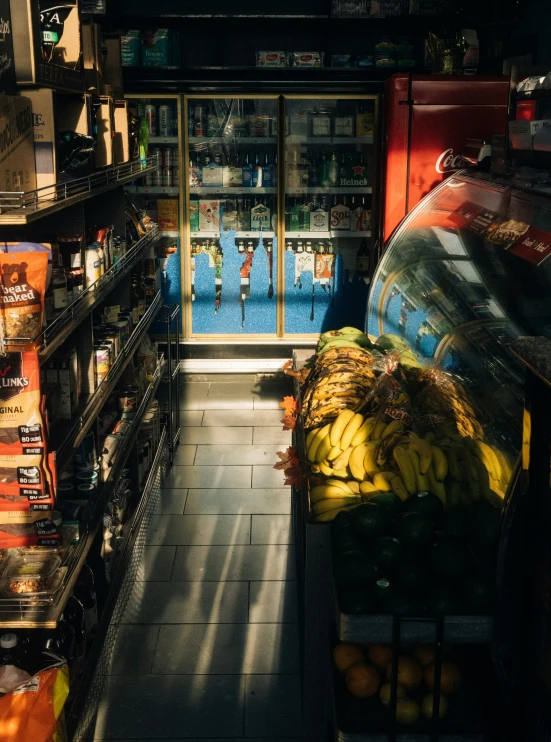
(330, 498)
(339, 381)
(346, 337)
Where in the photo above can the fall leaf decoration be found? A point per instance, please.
(290, 464)
(301, 375)
(289, 423)
(290, 405)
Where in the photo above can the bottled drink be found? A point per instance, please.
(257, 173)
(289, 246)
(59, 281)
(365, 217)
(247, 173)
(300, 247)
(267, 173)
(295, 214)
(340, 214)
(199, 120)
(363, 260)
(319, 218)
(333, 171)
(218, 159)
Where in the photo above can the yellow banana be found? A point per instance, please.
(364, 432)
(423, 449)
(350, 431)
(354, 486)
(453, 464)
(341, 461)
(323, 449)
(335, 504)
(436, 487)
(370, 460)
(407, 471)
(429, 436)
(378, 430)
(454, 493)
(396, 426)
(490, 460)
(315, 468)
(469, 464)
(327, 471)
(439, 463)
(316, 442)
(356, 462)
(339, 425)
(328, 492)
(421, 479)
(310, 437)
(368, 488)
(399, 488)
(345, 487)
(333, 453)
(505, 466)
(381, 480)
(330, 515)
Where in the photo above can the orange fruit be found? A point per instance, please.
(384, 693)
(424, 654)
(409, 673)
(407, 712)
(428, 703)
(345, 655)
(380, 655)
(362, 680)
(451, 677)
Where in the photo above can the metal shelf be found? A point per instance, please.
(69, 436)
(298, 139)
(334, 234)
(245, 235)
(206, 190)
(15, 615)
(233, 140)
(333, 189)
(166, 190)
(25, 208)
(163, 140)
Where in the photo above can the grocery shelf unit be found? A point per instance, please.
(31, 217)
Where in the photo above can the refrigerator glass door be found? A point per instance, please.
(231, 162)
(329, 252)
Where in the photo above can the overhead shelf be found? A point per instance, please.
(299, 139)
(24, 208)
(163, 140)
(334, 234)
(232, 139)
(14, 614)
(362, 190)
(238, 235)
(206, 190)
(154, 190)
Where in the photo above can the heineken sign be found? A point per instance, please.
(352, 175)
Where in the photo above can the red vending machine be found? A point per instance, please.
(428, 119)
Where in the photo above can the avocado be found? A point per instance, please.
(354, 568)
(343, 536)
(415, 529)
(450, 558)
(371, 520)
(485, 523)
(478, 595)
(388, 500)
(356, 600)
(403, 604)
(444, 600)
(386, 552)
(425, 503)
(412, 574)
(455, 521)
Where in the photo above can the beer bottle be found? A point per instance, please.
(363, 260)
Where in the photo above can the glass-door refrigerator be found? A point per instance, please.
(279, 200)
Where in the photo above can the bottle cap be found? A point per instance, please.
(8, 641)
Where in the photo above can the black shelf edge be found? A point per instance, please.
(79, 427)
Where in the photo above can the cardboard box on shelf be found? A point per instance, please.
(121, 142)
(53, 113)
(47, 43)
(112, 65)
(167, 214)
(92, 56)
(209, 215)
(104, 119)
(17, 171)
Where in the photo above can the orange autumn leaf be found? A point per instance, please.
(287, 364)
(294, 477)
(289, 404)
(289, 423)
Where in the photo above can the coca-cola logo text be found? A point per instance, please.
(447, 162)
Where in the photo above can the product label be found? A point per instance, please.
(212, 175)
(340, 217)
(344, 126)
(321, 126)
(352, 175)
(60, 298)
(319, 221)
(260, 217)
(232, 177)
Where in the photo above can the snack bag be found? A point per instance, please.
(23, 278)
(388, 398)
(34, 710)
(21, 422)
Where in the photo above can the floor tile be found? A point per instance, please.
(241, 402)
(188, 602)
(231, 389)
(184, 455)
(272, 705)
(273, 602)
(156, 563)
(214, 378)
(199, 529)
(192, 389)
(191, 418)
(199, 477)
(226, 649)
(267, 476)
(134, 650)
(171, 501)
(227, 501)
(271, 529)
(212, 436)
(272, 435)
(236, 455)
(203, 706)
(228, 418)
(212, 563)
(267, 403)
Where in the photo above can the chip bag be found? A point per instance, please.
(23, 278)
(21, 420)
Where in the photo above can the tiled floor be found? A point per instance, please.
(208, 647)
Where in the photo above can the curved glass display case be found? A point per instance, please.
(464, 275)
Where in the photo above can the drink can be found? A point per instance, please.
(151, 118)
(87, 476)
(148, 180)
(141, 109)
(176, 174)
(168, 157)
(86, 491)
(166, 177)
(158, 177)
(86, 453)
(165, 121)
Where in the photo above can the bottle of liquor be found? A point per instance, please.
(340, 213)
(365, 217)
(267, 173)
(319, 218)
(247, 173)
(333, 171)
(257, 173)
(295, 214)
(363, 261)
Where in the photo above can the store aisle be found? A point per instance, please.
(208, 645)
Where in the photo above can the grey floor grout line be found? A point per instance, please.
(156, 645)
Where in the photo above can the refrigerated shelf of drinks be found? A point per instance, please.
(163, 140)
(331, 190)
(334, 234)
(245, 235)
(166, 190)
(232, 189)
(300, 139)
(233, 139)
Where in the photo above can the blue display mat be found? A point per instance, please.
(171, 287)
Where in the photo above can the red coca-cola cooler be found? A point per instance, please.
(428, 119)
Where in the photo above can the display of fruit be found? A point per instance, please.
(362, 680)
